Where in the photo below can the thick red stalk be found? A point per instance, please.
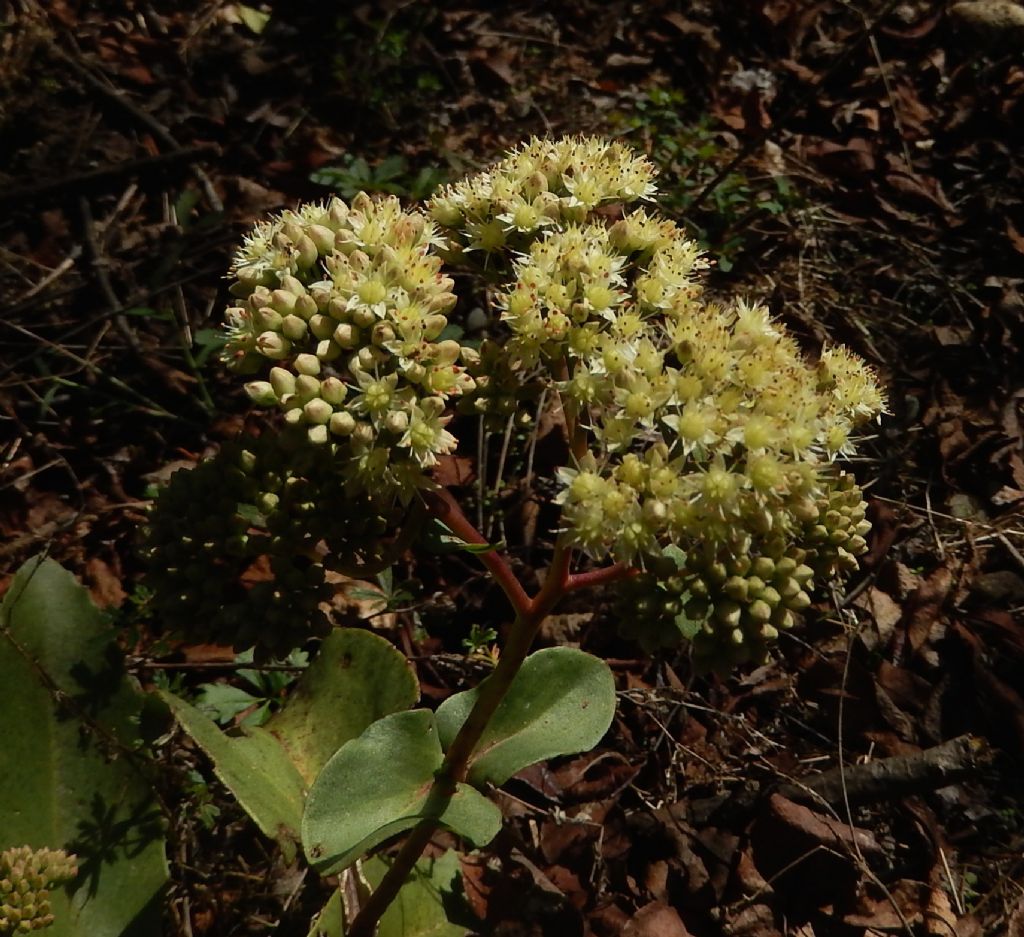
(530, 615)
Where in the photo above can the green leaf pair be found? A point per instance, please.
(347, 763)
(561, 701)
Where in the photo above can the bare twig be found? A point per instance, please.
(100, 180)
(896, 777)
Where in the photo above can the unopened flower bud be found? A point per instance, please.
(293, 285)
(397, 421)
(321, 326)
(267, 319)
(382, 334)
(369, 357)
(327, 350)
(305, 306)
(342, 423)
(433, 326)
(414, 372)
(333, 391)
(347, 335)
(363, 434)
(283, 301)
(364, 317)
(322, 237)
(321, 296)
(306, 387)
(337, 215)
(261, 393)
(798, 602)
(735, 588)
(317, 410)
(447, 352)
(273, 345)
(432, 406)
(728, 613)
(292, 231)
(442, 302)
(283, 381)
(294, 327)
(307, 364)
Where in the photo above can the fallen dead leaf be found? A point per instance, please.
(104, 586)
(924, 607)
(656, 919)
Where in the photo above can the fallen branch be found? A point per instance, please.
(884, 779)
(100, 180)
(893, 778)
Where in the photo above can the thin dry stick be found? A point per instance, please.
(119, 97)
(861, 862)
(893, 106)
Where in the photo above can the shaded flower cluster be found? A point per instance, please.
(26, 877)
(235, 546)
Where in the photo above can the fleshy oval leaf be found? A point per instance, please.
(562, 701)
(379, 785)
(356, 679)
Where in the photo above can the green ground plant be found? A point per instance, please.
(691, 154)
(699, 474)
(392, 176)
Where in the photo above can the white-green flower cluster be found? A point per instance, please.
(706, 422)
(731, 603)
(26, 877)
(694, 425)
(346, 308)
(542, 185)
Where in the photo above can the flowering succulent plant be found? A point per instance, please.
(700, 443)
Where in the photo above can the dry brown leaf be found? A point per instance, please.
(884, 610)
(924, 607)
(104, 586)
(656, 919)
(823, 830)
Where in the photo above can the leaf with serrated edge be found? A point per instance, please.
(562, 701)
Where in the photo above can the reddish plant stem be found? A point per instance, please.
(599, 577)
(530, 615)
(517, 645)
(446, 509)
